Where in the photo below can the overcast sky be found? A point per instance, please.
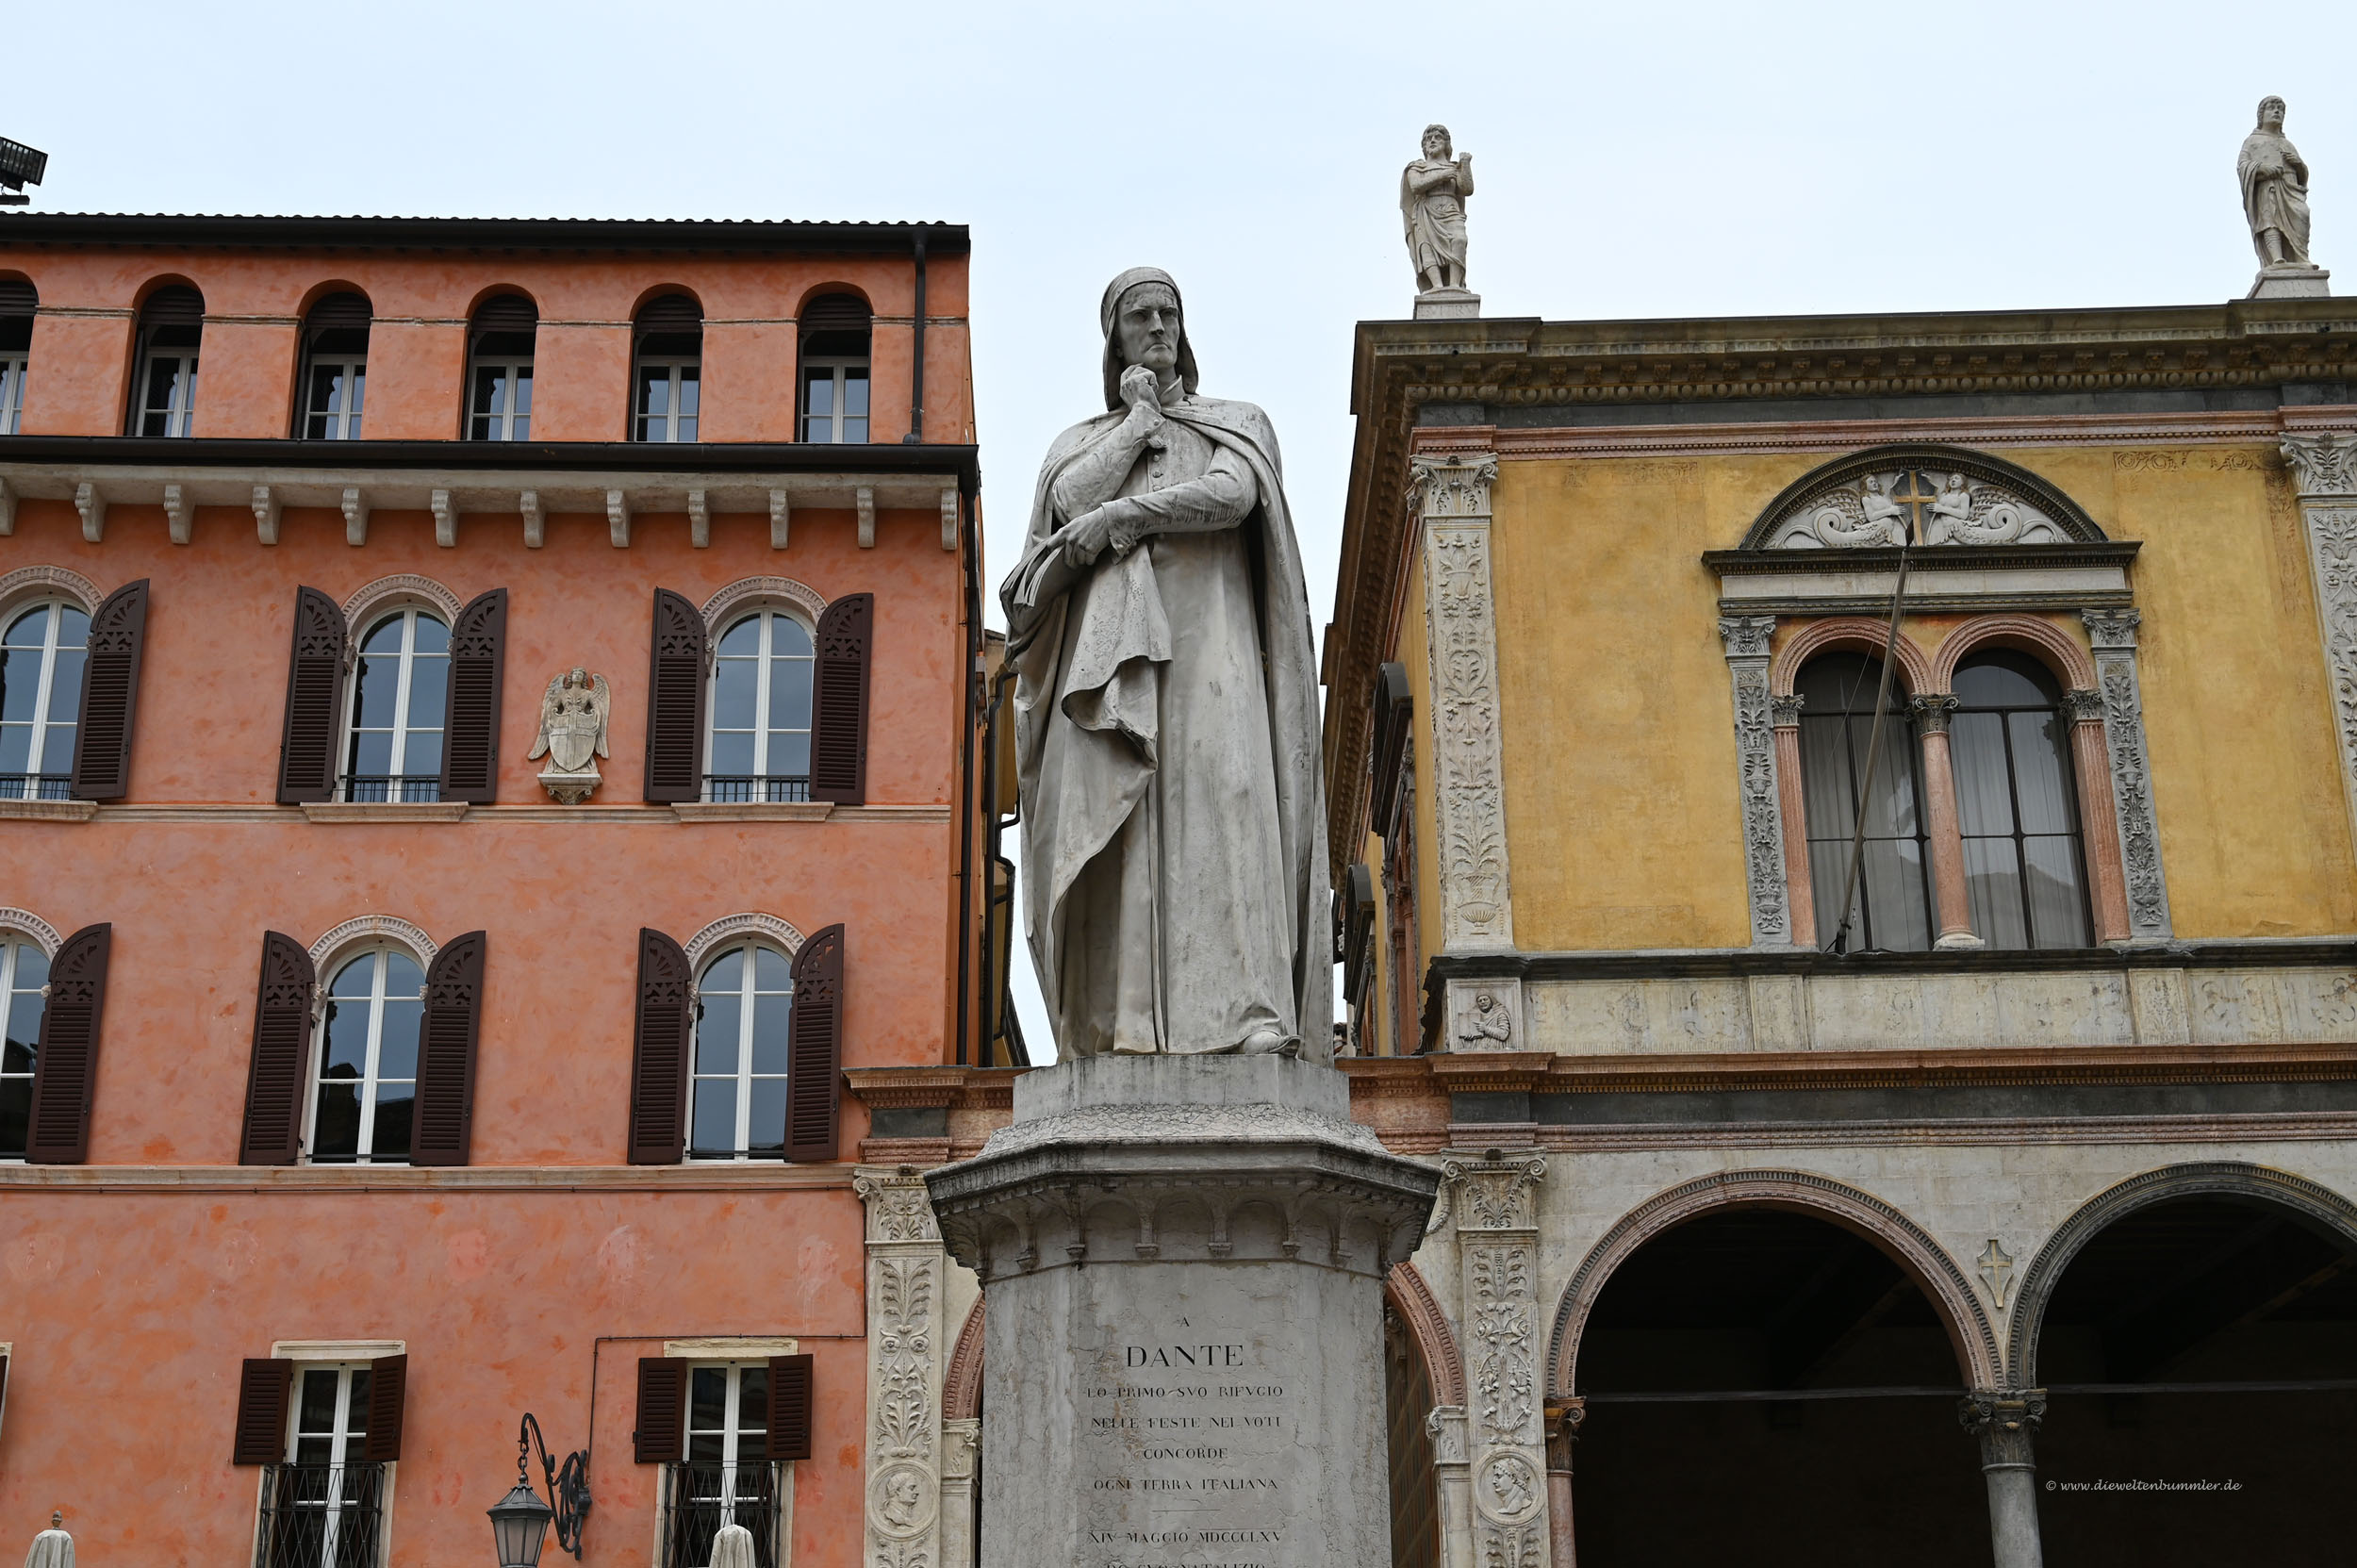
(1694, 159)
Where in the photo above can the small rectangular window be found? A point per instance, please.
(725, 1476)
(501, 407)
(834, 400)
(323, 1507)
(331, 405)
(668, 396)
(17, 303)
(168, 388)
(13, 363)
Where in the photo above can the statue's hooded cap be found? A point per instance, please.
(1111, 306)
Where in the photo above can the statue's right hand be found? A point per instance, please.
(1141, 389)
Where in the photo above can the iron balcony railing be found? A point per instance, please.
(405, 788)
(742, 788)
(700, 1496)
(36, 787)
(320, 1516)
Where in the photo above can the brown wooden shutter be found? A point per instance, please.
(315, 681)
(660, 1437)
(658, 1083)
(111, 690)
(66, 1068)
(389, 1386)
(790, 1406)
(675, 700)
(282, 1048)
(471, 739)
(814, 1089)
(444, 1123)
(838, 737)
(262, 1389)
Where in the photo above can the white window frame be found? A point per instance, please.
(764, 660)
(400, 730)
(181, 408)
(343, 424)
(370, 1080)
(43, 724)
(730, 1458)
(839, 364)
(641, 423)
(339, 1442)
(12, 944)
(13, 363)
(743, 1078)
(516, 368)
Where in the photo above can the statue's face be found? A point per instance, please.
(1147, 322)
(2271, 114)
(1435, 142)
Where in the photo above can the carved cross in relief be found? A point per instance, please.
(1996, 1267)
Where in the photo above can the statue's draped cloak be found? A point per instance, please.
(2272, 198)
(1112, 681)
(1435, 218)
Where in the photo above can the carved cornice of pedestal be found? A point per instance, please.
(2323, 465)
(2006, 1422)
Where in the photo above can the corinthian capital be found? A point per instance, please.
(2323, 464)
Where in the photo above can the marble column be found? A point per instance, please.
(906, 1283)
(1563, 1419)
(1798, 886)
(2089, 757)
(1494, 1200)
(2324, 471)
(2114, 634)
(1745, 640)
(2006, 1423)
(1942, 823)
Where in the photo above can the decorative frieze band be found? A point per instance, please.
(1746, 639)
(2114, 634)
(2324, 469)
(1452, 495)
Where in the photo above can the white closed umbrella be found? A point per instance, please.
(53, 1548)
(731, 1547)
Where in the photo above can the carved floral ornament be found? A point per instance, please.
(2323, 464)
(1931, 496)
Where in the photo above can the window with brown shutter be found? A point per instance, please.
(315, 674)
(282, 1041)
(838, 740)
(660, 1436)
(658, 1082)
(675, 700)
(111, 690)
(388, 1387)
(262, 1388)
(790, 1406)
(444, 1124)
(66, 1064)
(813, 1093)
(471, 735)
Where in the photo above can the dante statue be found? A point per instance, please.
(2274, 191)
(1432, 192)
(1166, 717)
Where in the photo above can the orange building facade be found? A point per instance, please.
(489, 744)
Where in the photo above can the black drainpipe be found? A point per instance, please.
(971, 705)
(916, 381)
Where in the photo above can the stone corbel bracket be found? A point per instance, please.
(93, 506)
(179, 513)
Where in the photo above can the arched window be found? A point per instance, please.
(335, 368)
(171, 324)
(41, 700)
(834, 336)
(745, 1001)
(364, 1077)
(23, 980)
(17, 303)
(2023, 871)
(670, 336)
(400, 694)
(499, 374)
(1891, 908)
(759, 748)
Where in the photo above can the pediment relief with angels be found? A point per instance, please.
(1930, 496)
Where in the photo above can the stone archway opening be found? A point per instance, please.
(2199, 1356)
(1756, 1375)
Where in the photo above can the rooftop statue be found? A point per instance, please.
(2275, 200)
(1432, 194)
(1166, 717)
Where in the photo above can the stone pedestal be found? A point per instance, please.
(2291, 281)
(1183, 1259)
(1443, 304)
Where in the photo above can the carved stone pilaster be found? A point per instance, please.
(905, 1350)
(1746, 641)
(1495, 1202)
(2324, 469)
(1452, 1473)
(960, 1443)
(1452, 495)
(2114, 634)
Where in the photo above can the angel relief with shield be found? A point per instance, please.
(572, 734)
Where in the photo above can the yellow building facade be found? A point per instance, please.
(1860, 1054)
